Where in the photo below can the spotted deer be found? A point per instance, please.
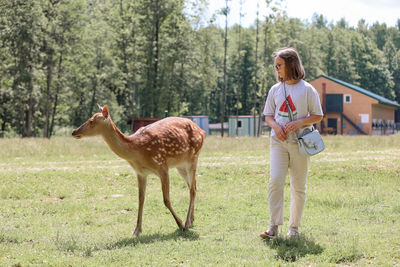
(154, 149)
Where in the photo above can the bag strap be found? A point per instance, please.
(290, 114)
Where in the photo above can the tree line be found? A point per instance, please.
(60, 58)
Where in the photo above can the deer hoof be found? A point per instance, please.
(137, 232)
(187, 226)
(180, 225)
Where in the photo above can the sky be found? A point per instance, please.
(382, 11)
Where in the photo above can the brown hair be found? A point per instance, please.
(293, 67)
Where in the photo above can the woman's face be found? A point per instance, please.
(279, 64)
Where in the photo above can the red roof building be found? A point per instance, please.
(349, 109)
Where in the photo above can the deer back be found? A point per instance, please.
(170, 140)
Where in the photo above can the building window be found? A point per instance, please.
(364, 118)
(347, 99)
(239, 124)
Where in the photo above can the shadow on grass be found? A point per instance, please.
(290, 249)
(146, 239)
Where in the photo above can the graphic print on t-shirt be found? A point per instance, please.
(283, 110)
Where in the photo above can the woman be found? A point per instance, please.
(306, 108)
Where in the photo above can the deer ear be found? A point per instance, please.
(105, 112)
(101, 109)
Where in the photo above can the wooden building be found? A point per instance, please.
(352, 110)
(137, 123)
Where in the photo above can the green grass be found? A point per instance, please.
(66, 202)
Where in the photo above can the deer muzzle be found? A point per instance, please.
(75, 134)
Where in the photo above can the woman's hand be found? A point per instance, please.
(280, 132)
(291, 127)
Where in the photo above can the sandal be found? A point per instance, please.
(293, 232)
(272, 232)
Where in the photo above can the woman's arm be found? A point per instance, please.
(292, 126)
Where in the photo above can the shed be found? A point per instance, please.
(350, 109)
(201, 121)
(215, 128)
(242, 125)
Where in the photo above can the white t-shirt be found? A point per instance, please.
(303, 100)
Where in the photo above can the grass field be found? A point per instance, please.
(66, 202)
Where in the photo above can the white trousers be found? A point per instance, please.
(284, 156)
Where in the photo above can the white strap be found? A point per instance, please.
(290, 114)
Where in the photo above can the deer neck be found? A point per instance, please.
(119, 143)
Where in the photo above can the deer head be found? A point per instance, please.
(95, 125)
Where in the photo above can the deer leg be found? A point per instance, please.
(184, 172)
(191, 180)
(142, 180)
(165, 189)
(190, 215)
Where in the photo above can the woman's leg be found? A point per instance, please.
(298, 168)
(279, 163)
